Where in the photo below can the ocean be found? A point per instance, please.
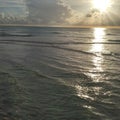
(50, 73)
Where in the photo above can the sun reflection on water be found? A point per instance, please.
(99, 34)
(97, 48)
(95, 72)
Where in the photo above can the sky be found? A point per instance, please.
(58, 12)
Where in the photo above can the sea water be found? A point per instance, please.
(49, 73)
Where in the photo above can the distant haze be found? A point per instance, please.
(57, 12)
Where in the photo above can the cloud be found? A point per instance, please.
(83, 13)
(57, 12)
(13, 11)
(47, 12)
(12, 3)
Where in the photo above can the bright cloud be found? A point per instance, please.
(58, 12)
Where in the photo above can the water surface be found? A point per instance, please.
(59, 73)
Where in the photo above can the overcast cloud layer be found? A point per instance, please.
(57, 12)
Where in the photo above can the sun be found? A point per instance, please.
(101, 5)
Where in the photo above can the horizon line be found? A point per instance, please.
(67, 26)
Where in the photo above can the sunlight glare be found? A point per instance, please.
(101, 5)
(99, 34)
(98, 48)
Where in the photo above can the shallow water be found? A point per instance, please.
(59, 73)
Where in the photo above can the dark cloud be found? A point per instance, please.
(47, 12)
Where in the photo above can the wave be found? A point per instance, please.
(56, 32)
(110, 34)
(118, 41)
(5, 34)
(105, 53)
(73, 50)
(58, 43)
